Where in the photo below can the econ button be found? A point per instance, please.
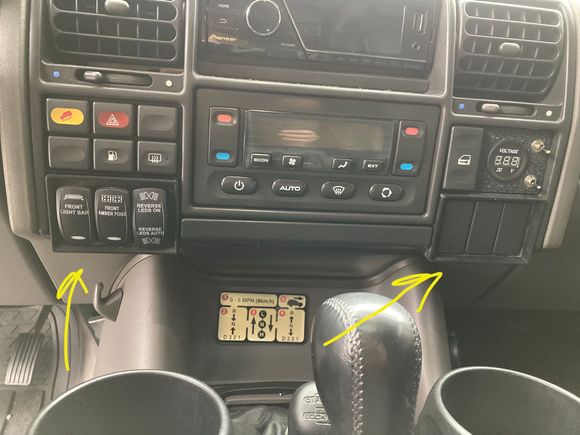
(113, 119)
(239, 185)
(386, 192)
(67, 116)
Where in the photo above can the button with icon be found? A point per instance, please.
(386, 192)
(113, 155)
(157, 157)
(113, 119)
(67, 116)
(341, 164)
(292, 162)
(239, 185)
(337, 190)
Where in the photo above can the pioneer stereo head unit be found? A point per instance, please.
(380, 36)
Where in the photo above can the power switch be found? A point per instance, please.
(149, 217)
(112, 207)
(74, 214)
(223, 136)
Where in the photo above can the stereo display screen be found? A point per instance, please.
(370, 27)
(273, 129)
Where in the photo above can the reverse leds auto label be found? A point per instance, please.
(261, 317)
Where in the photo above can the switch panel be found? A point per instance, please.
(74, 214)
(223, 136)
(410, 148)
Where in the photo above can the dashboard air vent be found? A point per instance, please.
(119, 31)
(507, 51)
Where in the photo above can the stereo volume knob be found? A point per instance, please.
(263, 17)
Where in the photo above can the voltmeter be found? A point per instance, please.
(507, 161)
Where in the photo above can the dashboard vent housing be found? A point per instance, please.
(138, 32)
(508, 51)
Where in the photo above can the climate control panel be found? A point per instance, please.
(264, 151)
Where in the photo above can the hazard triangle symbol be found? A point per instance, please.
(112, 121)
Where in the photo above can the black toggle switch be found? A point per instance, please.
(149, 217)
(74, 214)
(112, 212)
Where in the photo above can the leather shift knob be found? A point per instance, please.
(368, 379)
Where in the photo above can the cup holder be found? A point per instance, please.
(485, 400)
(136, 402)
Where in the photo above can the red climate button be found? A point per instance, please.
(224, 118)
(412, 131)
(113, 119)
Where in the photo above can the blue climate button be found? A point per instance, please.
(223, 156)
(407, 167)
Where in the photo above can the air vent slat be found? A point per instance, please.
(508, 50)
(148, 32)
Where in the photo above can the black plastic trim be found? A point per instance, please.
(256, 232)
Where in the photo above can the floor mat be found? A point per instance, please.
(19, 405)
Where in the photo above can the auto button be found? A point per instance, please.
(289, 188)
(239, 185)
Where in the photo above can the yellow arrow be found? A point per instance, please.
(411, 281)
(70, 282)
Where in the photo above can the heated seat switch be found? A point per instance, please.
(74, 214)
(111, 208)
(149, 217)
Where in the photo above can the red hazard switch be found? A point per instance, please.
(113, 119)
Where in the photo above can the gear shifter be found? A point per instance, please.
(367, 380)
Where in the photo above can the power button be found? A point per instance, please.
(239, 185)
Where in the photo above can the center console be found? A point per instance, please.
(308, 123)
(283, 149)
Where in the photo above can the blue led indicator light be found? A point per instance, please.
(223, 156)
(461, 106)
(406, 166)
(56, 74)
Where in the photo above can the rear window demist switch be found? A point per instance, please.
(74, 214)
(149, 217)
